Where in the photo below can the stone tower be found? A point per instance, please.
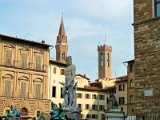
(61, 44)
(104, 61)
(147, 59)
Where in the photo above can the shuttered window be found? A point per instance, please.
(7, 88)
(8, 57)
(23, 90)
(38, 62)
(24, 59)
(38, 91)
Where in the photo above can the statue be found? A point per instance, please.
(69, 87)
(57, 113)
(113, 101)
(15, 112)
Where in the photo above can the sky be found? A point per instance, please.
(88, 23)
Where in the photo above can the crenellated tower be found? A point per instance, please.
(104, 61)
(61, 44)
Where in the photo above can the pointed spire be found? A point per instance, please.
(61, 28)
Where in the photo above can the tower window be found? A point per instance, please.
(108, 60)
(157, 8)
(63, 56)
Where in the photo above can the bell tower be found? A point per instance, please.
(61, 44)
(104, 61)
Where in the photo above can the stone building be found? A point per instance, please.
(130, 88)
(23, 75)
(104, 61)
(147, 58)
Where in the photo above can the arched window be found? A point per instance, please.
(108, 59)
(63, 56)
(131, 83)
(24, 111)
(131, 99)
(101, 59)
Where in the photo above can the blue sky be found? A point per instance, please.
(86, 23)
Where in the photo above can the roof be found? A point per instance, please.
(61, 28)
(21, 40)
(122, 79)
(90, 88)
(129, 61)
(52, 61)
(84, 76)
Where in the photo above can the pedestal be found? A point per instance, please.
(71, 113)
(115, 114)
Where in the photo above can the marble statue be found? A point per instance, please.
(113, 101)
(69, 87)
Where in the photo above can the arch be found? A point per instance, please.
(8, 76)
(38, 80)
(23, 78)
(8, 46)
(38, 51)
(6, 109)
(23, 48)
(24, 111)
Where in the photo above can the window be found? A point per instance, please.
(53, 91)
(107, 100)
(108, 60)
(79, 95)
(54, 70)
(38, 91)
(88, 116)
(24, 60)
(38, 62)
(131, 83)
(87, 96)
(94, 96)
(24, 111)
(23, 89)
(8, 57)
(121, 101)
(38, 113)
(131, 67)
(101, 107)
(80, 106)
(63, 56)
(7, 88)
(101, 97)
(62, 72)
(94, 116)
(132, 110)
(121, 87)
(131, 99)
(61, 92)
(87, 106)
(157, 8)
(101, 59)
(103, 117)
(94, 107)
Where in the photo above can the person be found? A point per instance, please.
(23, 113)
(69, 83)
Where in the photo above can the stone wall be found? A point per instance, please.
(147, 60)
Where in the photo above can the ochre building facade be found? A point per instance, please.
(23, 75)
